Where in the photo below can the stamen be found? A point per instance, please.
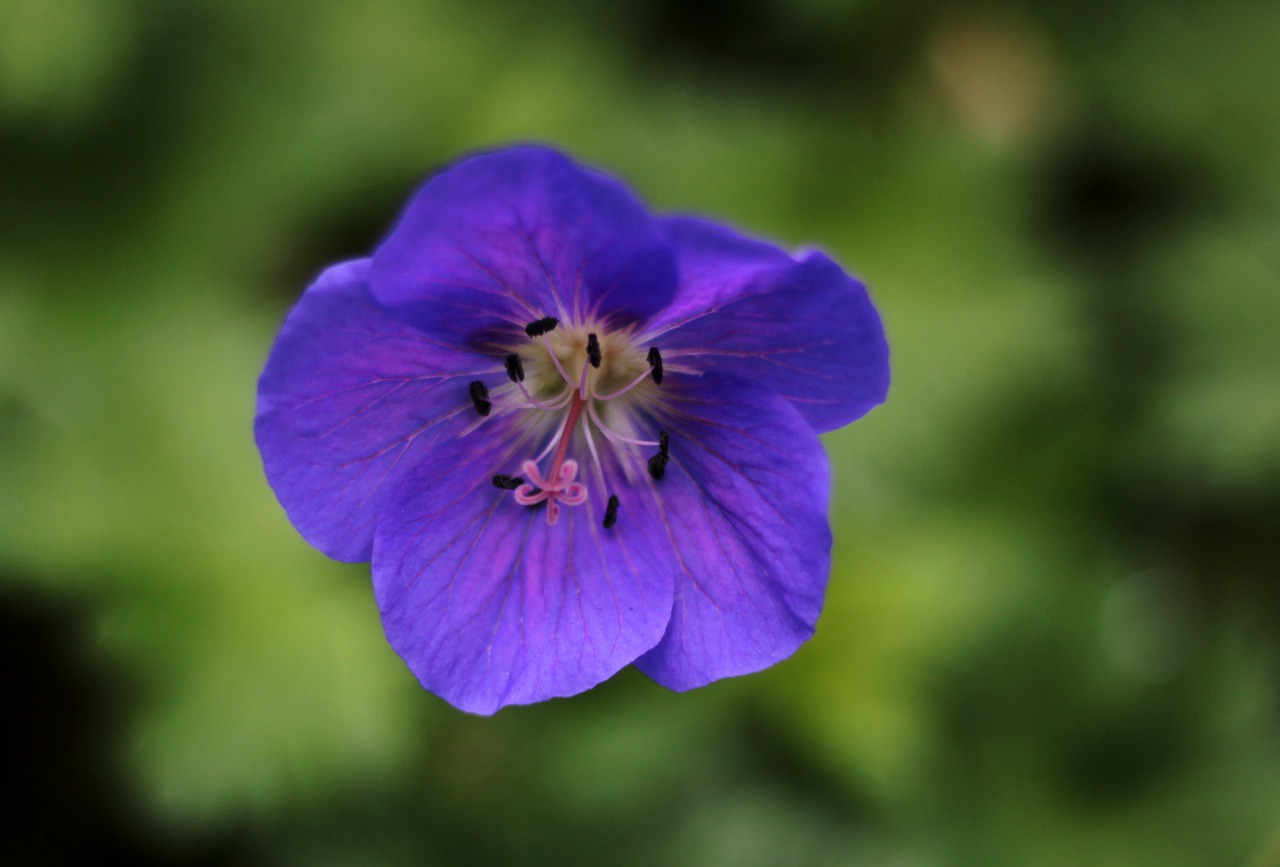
(480, 398)
(620, 392)
(593, 350)
(655, 362)
(539, 327)
(555, 440)
(558, 403)
(595, 456)
(515, 368)
(658, 463)
(612, 434)
(507, 483)
(555, 359)
(611, 512)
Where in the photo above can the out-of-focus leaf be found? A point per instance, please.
(1219, 419)
(262, 675)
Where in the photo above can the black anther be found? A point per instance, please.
(507, 483)
(539, 327)
(655, 361)
(658, 463)
(515, 368)
(611, 512)
(480, 397)
(593, 350)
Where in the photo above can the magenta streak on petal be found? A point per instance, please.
(546, 273)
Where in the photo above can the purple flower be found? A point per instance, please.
(569, 434)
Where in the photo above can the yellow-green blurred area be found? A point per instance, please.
(1052, 634)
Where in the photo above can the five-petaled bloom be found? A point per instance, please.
(569, 434)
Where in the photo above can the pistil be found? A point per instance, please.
(575, 410)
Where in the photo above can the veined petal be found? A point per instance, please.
(349, 401)
(743, 507)
(505, 238)
(800, 328)
(491, 606)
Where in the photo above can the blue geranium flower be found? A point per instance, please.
(569, 434)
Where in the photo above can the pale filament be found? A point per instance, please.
(555, 359)
(552, 443)
(559, 403)
(620, 392)
(614, 435)
(591, 447)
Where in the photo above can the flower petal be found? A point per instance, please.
(488, 605)
(505, 238)
(800, 328)
(349, 401)
(744, 507)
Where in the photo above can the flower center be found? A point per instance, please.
(573, 374)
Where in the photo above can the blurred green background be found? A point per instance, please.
(1051, 632)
